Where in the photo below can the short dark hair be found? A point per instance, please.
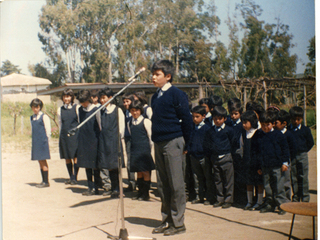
(84, 95)
(94, 93)
(296, 112)
(216, 100)
(137, 105)
(141, 96)
(106, 92)
(250, 116)
(268, 117)
(219, 111)
(254, 106)
(235, 105)
(207, 101)
(68, 92)
(36, 103)
(128, 96)
(274, 109)
(283, 116)
(165, 66)
(199, 109)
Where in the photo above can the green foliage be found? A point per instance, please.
(9, 68)
(311, 66)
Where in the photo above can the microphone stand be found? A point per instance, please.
(123, 235)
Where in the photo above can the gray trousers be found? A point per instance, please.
(170, 163)
(224, 178)
(299, 178)
(273, 182)
(287, 183)
(198, 167)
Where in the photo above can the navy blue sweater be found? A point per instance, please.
(303, 138)
(237, 131)
(195, 146)
(273, 149)
(171, 117)
(218, 143)
(292, 144)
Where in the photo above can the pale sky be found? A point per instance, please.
(20, 27)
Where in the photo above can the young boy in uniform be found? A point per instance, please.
(217, 145)
(171, 128)
(273, 154)
(195, 150)
(300, 164)
(283, 120)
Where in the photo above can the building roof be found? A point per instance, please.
(16, 79)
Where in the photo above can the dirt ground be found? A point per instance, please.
(61, 212)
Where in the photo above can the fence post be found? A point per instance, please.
(305, 105)
(265, 95)
(22, 125)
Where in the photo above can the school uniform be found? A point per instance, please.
(127, 139)
(240, 188)
(41, 132)
(197, 156)
(300, 163)
(287, 174)
(141, 158)
(68, 119)
(209, 120)
(273, 151)
(112, 123)
(171, 128)
(88, 138)
(217, 146)
(250, 164)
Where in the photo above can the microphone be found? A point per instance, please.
(137, 74)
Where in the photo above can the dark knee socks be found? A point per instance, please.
(89, 178)
(69, 167)
(75, 171)
(114, 180)
(45, 176)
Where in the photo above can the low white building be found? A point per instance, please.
(22, 88)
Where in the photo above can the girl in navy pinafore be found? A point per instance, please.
(141, 159)
(68, 145)
(248, 141)
(112, 126)
(88, 143)
(41, 132)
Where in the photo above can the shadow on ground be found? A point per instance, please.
(143, 221)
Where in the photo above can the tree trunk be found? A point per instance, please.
(177, 59)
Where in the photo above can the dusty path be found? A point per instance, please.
(61, 212)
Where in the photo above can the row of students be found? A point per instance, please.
(260, 158)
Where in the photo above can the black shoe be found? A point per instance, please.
(174, 230)
(281, 212)
(96, 192)
(207, 202)
(107, 193)
(43, 185)
(218, 204)
(267, 208)
(67, 182)
(195, 201)
(226, 205)
(73, 182)
(89, 192)
(115, 194)
(161, 228)
(248, 206)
